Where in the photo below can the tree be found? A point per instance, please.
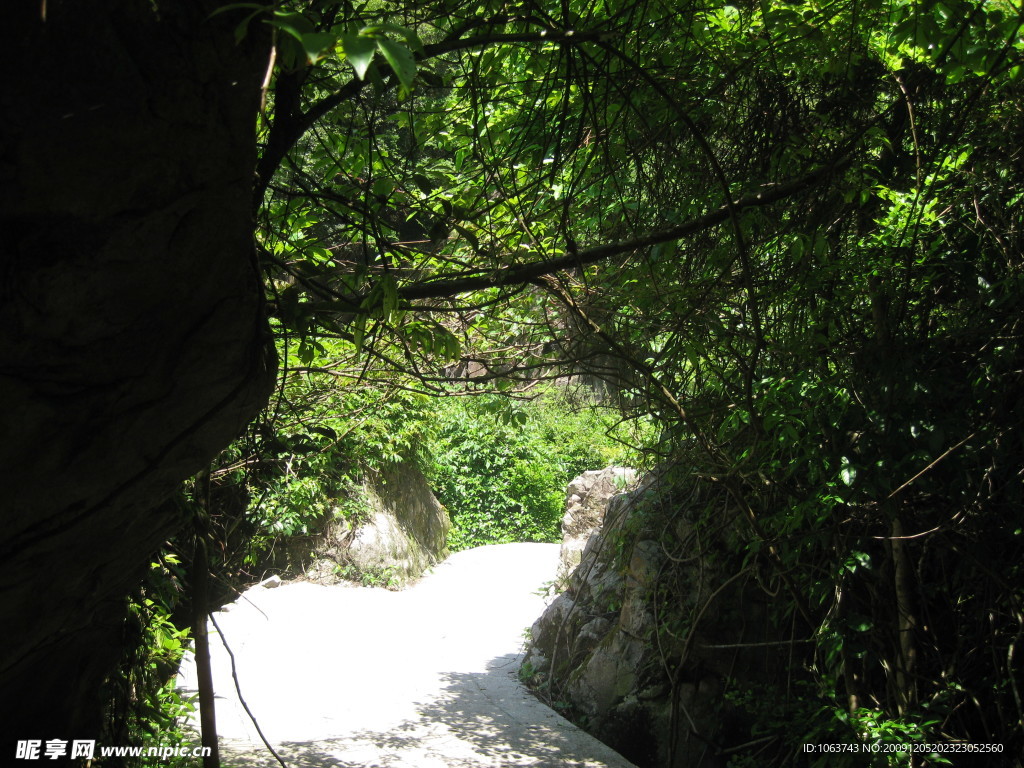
(797, 225)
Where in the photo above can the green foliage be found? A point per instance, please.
(790, 233)
(865, 738)
(501, 466)
(307, 461)
(303, 40)
(383, 576)
(144, 706)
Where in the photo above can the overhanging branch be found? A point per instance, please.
(527, 273)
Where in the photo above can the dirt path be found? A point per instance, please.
(346, 677)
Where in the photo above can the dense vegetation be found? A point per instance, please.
(502, 471)
(790, 233)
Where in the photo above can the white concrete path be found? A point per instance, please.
(350, 677)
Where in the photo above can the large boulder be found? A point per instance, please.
(135, 344)
(401, 533)
(650, 630)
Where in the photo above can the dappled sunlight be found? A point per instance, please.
(478, 719)
(342, 676)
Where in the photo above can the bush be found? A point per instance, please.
(501, 466)
(314, 457)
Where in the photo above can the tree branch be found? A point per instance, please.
(287, 131)
(527, 273)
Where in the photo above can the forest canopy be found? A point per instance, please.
(790, 231)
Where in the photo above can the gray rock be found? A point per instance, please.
(407, 529)
(586, 501)
(619, 647)
(401, 534)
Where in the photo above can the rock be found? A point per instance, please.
(402, 535)
(587, 499)
(271, 583)
(628, 647)
(135, 344)
(549, 639)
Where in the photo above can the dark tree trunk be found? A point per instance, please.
(132, 339)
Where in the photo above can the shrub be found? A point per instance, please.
(501, 466)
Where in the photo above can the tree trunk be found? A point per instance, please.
(133, 343)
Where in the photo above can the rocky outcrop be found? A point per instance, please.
(586, 501)
(401, 534)
(134, 343)
(641, 645)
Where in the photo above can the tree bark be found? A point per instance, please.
(204, 669)
(134, 344)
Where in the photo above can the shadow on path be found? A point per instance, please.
(478, 719)
(425, 678)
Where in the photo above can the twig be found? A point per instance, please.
(755, 645)
(944, 455)
(241, 699)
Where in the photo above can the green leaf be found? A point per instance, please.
(359, 333)
(304, 45)
(383, 187)
(401, 60)
(236, 6)
(295, 24)
(243, 26)
(847, 473)
(389, 293)
(359, 51)
(317, 45)
(411, 38)
(469, 235)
